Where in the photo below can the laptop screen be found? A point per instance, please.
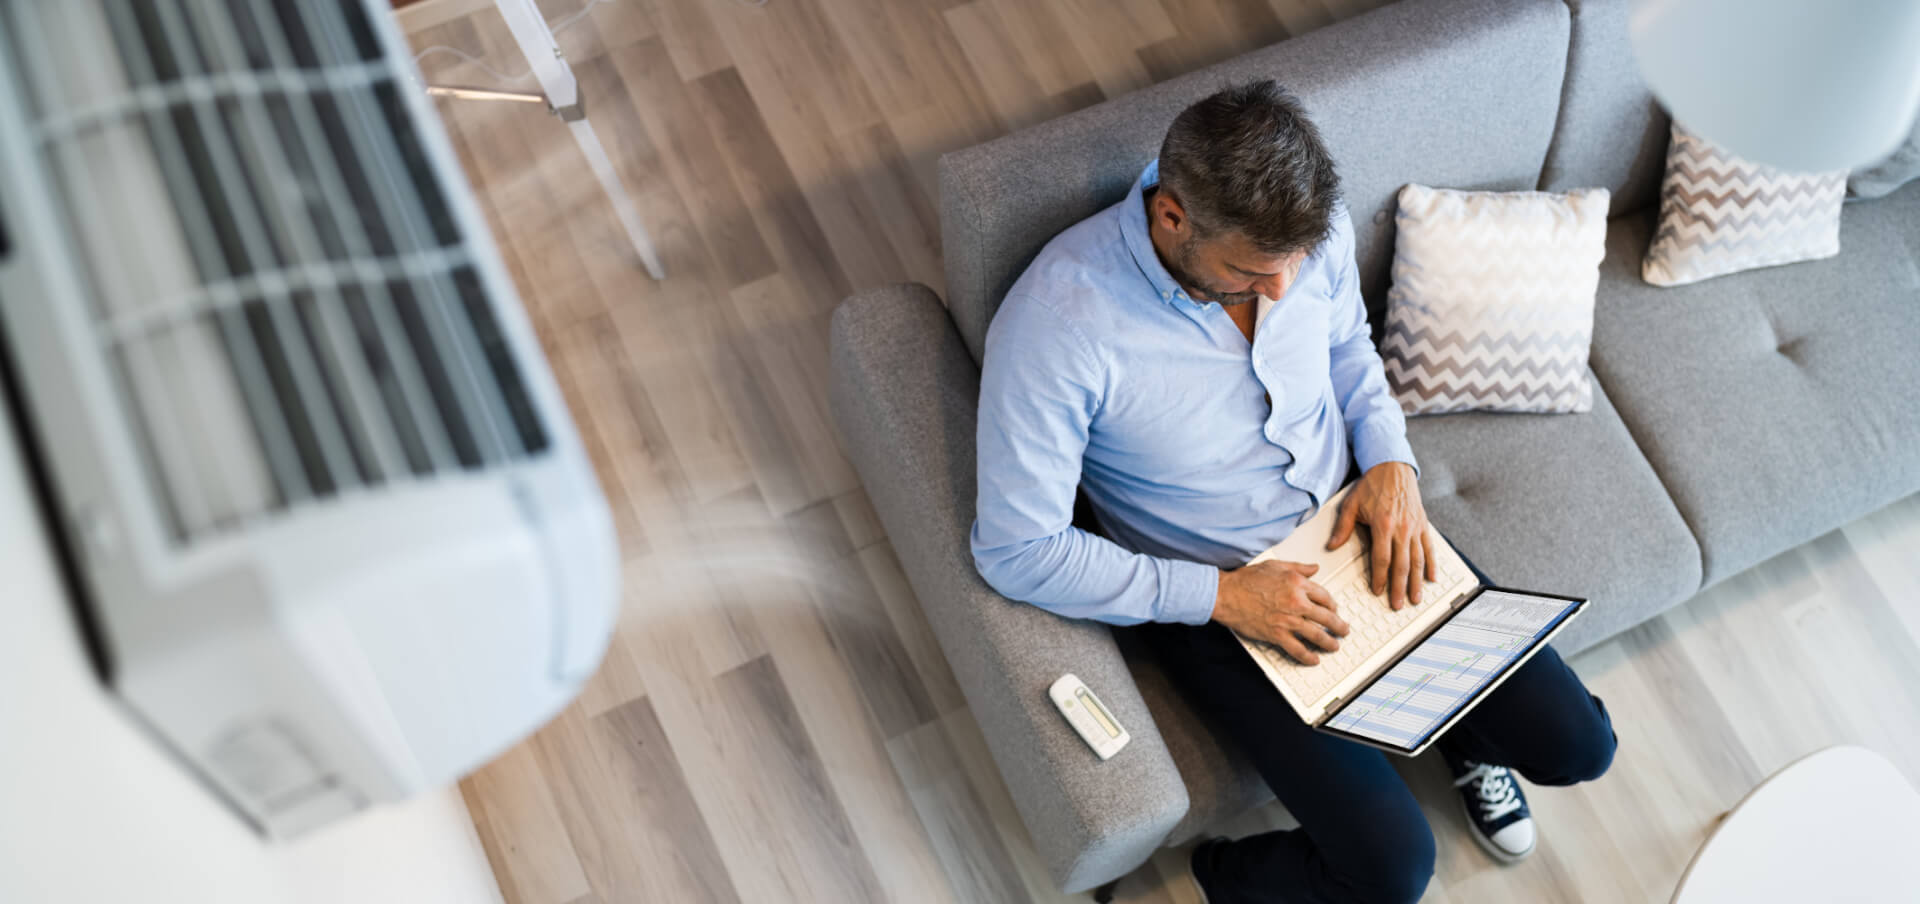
(1444, 672)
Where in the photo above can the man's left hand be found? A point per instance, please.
(1387, 501)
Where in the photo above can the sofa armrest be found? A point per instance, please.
(905, 393)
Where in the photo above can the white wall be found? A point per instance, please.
(92, 811)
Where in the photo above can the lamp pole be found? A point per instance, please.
(550, 67)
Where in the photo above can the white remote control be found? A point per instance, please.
(1088, 716)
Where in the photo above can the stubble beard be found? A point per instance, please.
(1200, 291)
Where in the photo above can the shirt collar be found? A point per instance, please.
(1133, 229)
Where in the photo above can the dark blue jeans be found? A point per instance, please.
(1362, 836)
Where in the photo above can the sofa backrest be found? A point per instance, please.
(1612, 134)
(1453, 93)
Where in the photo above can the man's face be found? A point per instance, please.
(1224, 267)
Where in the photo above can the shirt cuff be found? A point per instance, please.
(1190, 591)
(1373, 445)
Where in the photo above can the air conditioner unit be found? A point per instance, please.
(323, 508)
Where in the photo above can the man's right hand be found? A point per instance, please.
(1276, 603)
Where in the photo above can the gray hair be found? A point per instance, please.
(1247, 159)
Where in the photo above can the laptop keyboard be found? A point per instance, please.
(1370, 616)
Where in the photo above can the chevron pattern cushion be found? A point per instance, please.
(1492, 300)
(1721, 214)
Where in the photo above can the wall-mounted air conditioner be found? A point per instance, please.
(326, 514)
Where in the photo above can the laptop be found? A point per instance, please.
(1401, 679)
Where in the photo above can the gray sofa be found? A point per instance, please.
(1732, 419)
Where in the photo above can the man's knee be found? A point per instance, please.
(1397, 868)
(1583, 762)
(1595, 759)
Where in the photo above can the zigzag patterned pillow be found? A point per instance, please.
(1492, 299)
(1721, 214)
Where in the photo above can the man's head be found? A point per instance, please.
(1246, 192)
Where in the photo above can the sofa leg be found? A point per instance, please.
(1104, 894)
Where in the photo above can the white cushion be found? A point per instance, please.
(1722, 214)
(1492, 299)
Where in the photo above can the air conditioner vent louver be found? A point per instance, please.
(288, 302)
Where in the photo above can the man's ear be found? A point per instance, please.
(1168, 211)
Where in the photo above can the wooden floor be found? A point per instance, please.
(774, 721)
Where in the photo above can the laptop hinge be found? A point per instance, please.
(1459, 602)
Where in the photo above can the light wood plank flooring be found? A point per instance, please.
(774, 721)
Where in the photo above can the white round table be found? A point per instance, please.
(1840, 825)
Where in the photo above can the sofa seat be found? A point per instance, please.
(1778, 403)
(1501, 485)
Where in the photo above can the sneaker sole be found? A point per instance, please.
(1486, 844)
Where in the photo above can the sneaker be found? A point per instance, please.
(1496, 810)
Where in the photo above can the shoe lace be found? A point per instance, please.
(1498, 797)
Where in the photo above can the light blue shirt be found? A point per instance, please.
(1102, 373)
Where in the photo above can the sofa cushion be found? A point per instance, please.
(1459, 93)
(1611, 133)
(1560, 503)
(1721, 213)
(1775, 404)
(1492, 300)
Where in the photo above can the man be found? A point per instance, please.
(1196, 359)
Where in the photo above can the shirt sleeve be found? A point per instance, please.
(1039, 390)
(1377, 427)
